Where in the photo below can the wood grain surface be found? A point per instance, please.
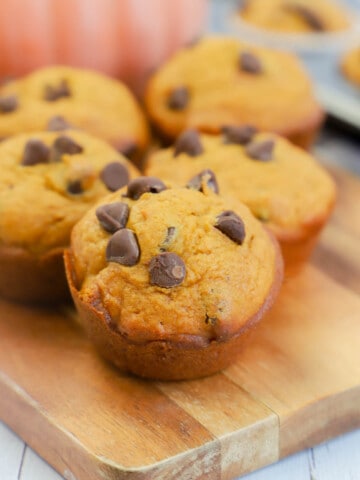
(297, 383)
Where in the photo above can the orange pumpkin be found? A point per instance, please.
(122, 38)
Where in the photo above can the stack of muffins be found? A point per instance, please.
(169, 271)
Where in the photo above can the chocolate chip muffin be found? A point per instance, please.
(282, 185)
(296, 16)
(222, 81)
(169, 281)
(351, 66)
(48, 180)
(60, 97)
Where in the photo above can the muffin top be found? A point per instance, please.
(296, 16)
(222, 81)
(52, 96)
(351, 66)
(282, 184)
(47, 182)
(173, 263)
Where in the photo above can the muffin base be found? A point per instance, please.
(185, 357)
(30, 279)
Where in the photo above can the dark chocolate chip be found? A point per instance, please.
(128, 149)
(8, 104)
(141, 185)
(206, 177)
(113, 216)
(64, 145)
(178, 98)
(308, 15)
(74, 187)
(54, 93)
(115, 175)
(170, 234)
(261, 150)
(35, 152)
(167, 270)
(123, 248)
(188, 142)
(250, 63)
(240, 135)
(57, 124)
(231, 225)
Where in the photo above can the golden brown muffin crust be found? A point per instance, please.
(351, 66)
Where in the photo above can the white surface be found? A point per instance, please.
(338, 459)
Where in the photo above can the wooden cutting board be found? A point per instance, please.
(297, 384)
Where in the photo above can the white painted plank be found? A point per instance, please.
(337, 459)
(295, 467)
(35, 468)
(11, 453)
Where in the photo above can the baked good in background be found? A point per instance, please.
(350, 66)
(222, 81)
(48, 180)
(54, 97)
(296, 16)
(168, 281)
(284, 186)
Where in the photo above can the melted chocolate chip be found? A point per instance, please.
(141, 185)
(115, 175)
(57, 123)
(188, 142)
(35, 152)
(64, 145)
(128, 149)
(178, 98)
(167, 270)
(123, 248)
(8, 104)
(239, 135)
(113, 216)
(74, 187)
(54, 93)
(250, 63)
(308, 15)
(261, 150)
(206, 177)
(231, 225)
(170, 234)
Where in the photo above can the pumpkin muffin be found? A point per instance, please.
(222, 81)
(57, 97)
(169, 281)
(48, 180)
(282, 185)
(296, 16)
(351, 66)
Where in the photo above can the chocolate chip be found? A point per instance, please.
(231, 225)
(308, 15)
(54, 93)
(261, 150)
(74, 187)
(167, 270)
(57, 123)
(64, 145)
(8, 104)
(35, 152)
(240, 135)
(210, 320)
(250, 63)
(188, 142)
(123, 248)
(115, 175)
(170, 234)
(178, 98)
(206, 177)
(141, 185)
(113, 216)
(128, 149)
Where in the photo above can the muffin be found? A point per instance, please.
(48, 180)
(169, 281)
(296, 16)
(283, 186)
(351, 66)
(222, 81)
(60, 97)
